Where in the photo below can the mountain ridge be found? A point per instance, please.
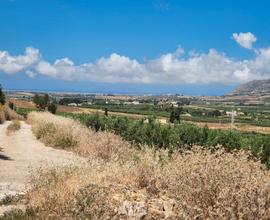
(254, 87)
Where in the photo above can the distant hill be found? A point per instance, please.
(255, 87)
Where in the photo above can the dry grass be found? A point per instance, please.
(122, 182)
(198, 184)
(67, 133)
(2, 114)
(8, 114)
(13, 127)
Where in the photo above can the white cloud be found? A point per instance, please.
(13, 64)
(245, 40)
(171, 68)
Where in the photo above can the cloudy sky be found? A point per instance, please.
(154, 46)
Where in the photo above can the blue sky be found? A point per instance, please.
(124, 46)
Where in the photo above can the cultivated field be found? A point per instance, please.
(163, 120)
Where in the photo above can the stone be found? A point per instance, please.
(133, 210)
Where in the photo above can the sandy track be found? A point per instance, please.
(20, 153)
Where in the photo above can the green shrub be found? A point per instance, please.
(265, 153)
(227, 139)
(52, 108)
(2, 96)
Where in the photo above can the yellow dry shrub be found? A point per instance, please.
(199, 183)
(13, 126)
(2, 114)
(8, 114)
(57, 131)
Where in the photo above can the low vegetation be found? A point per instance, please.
(179, 136)
(43, 101)
(8, 114)
(145, 170)
(152, 185)
(69, 134)
(2, 96)
(2, 114)
(13, 126)
(123, 181)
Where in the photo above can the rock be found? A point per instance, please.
(161, 208)
(133, 210)
(168, 208)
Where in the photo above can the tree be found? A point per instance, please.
(216, 113)
(41, 101)
(2, 96)
(172, 116)
(11, 105)
(46, 99)
(106, 112)
(175, 114)
(37, 101)
(52, 107)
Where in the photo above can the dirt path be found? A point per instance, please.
(20, 153)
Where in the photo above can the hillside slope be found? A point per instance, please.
(255, 87)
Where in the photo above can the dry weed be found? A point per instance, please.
(2, 114)
(196, 184)
(67, 133)
(13, 126)
(8, 114)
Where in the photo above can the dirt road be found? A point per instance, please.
(20, 153)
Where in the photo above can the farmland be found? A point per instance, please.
(196, 110)
(148, 122)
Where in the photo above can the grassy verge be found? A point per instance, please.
(67, 133)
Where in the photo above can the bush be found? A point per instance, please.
(2, 114)
(14, 126)
(8, 114)
(41, 101)
(68, 133)
(2, 96)
(11, 105)
(211, 185)
(52, 107)
(227, 139)
(265, 153)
